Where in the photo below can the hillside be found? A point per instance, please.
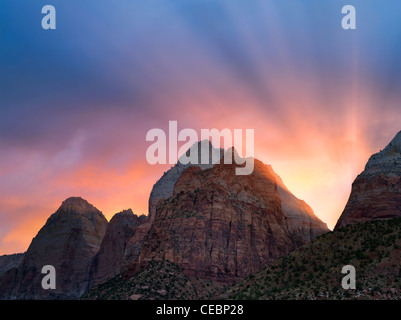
(311, 272)
(314, 270)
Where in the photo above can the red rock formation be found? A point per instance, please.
(108, 261)
(221, 226)
(134, 244)
(376, 192)
(68, 241)
(163, 188)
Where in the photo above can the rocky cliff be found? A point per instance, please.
(68, 241)
(376, 192)
(221, 226)
(301, 220)
(164, 188)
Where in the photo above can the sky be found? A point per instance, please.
(76, 102)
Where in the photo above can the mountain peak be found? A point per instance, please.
(203, 225)
(163, 188)
(126, 213)
(68, 241)
(387, 160)
(76, 204)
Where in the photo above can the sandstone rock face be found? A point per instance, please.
(376, 192)
(68, 241)
(221, 226)
(108, 261)
(163, 188)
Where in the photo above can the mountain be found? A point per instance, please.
(314, 270)
(108, 261)
(205, 224)
(220, 226)
(68, 241)
(376, 192)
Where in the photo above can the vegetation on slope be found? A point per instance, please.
(158, 281)
(311, 272)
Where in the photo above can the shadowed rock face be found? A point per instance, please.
(376, 192)
(68, 241)
(221, 226)
(108, 261)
